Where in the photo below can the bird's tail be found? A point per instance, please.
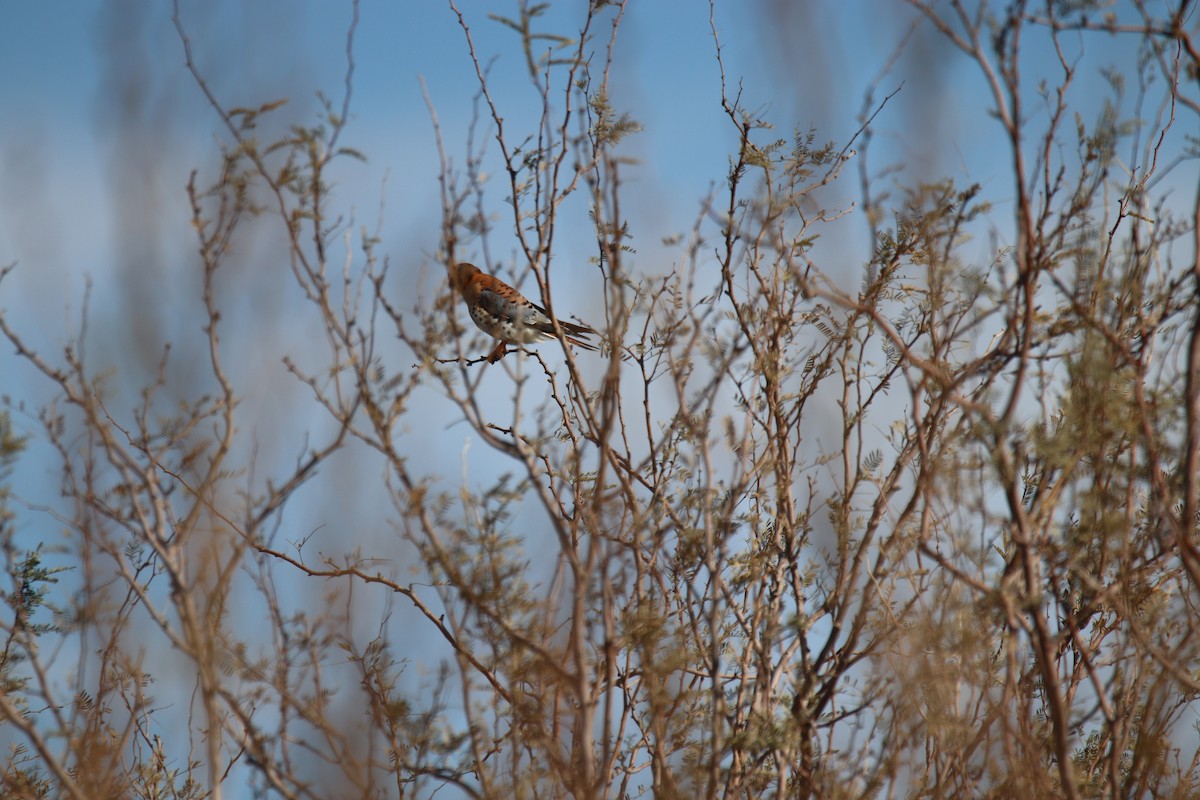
(580, 343)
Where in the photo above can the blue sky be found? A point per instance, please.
(103, 126)
(66, 78)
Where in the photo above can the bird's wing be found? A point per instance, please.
(543, 323)
(508, 310)
(521, 311)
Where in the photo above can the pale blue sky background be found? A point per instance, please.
(101, 127)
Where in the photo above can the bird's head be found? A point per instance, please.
(461, 275)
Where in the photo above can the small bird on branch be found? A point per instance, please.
(503, 313)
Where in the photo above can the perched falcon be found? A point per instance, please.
(503, 313)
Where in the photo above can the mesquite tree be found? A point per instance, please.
(922, 524)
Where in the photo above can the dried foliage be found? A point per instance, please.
(933, 536)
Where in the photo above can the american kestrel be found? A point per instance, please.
(503, 313)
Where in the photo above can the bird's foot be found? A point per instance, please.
(497, 353)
